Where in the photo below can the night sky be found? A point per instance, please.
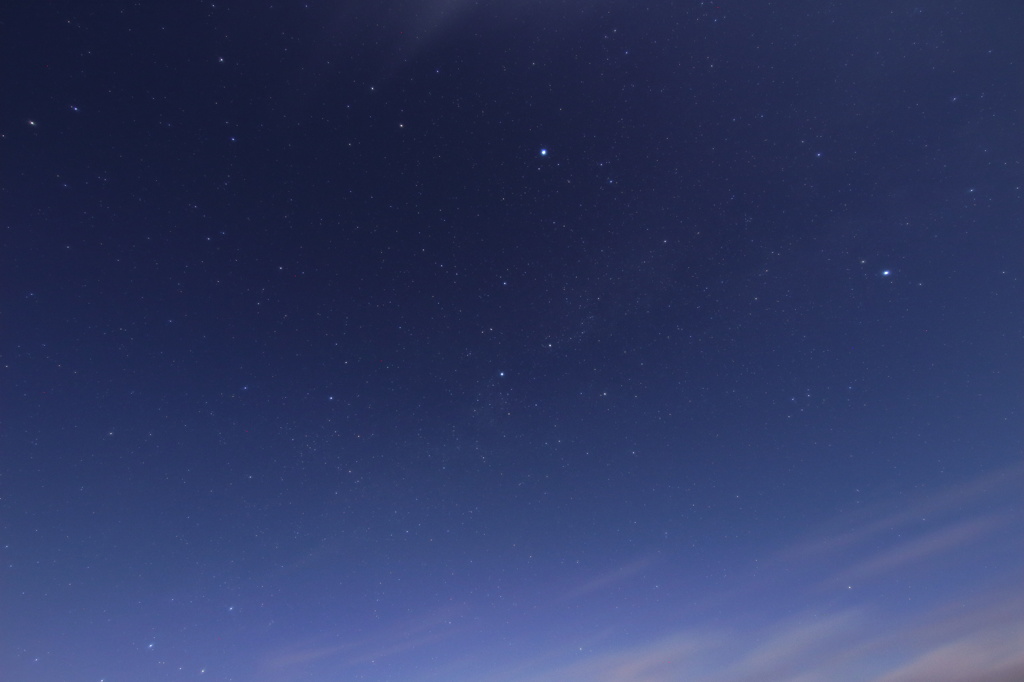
(512, 341)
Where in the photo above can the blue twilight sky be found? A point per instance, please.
(478, 341)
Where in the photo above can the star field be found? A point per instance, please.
(511, 342)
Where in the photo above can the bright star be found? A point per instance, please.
(543, 152)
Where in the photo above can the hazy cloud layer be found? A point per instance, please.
(823, 610)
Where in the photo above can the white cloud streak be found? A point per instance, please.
(965, 625)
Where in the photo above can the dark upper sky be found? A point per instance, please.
(511, 341)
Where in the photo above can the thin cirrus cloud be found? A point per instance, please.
(866, 526)
(842, 646)
(945, 539)
(936, 598)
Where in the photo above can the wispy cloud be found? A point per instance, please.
(856, 530)
(337, 652)
(945, 539)
(984, 645)
(610, 578)
(952, 559)
(967, 625)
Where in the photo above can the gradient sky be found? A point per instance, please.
(522, 341)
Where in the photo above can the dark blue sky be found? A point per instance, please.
(512, 341)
